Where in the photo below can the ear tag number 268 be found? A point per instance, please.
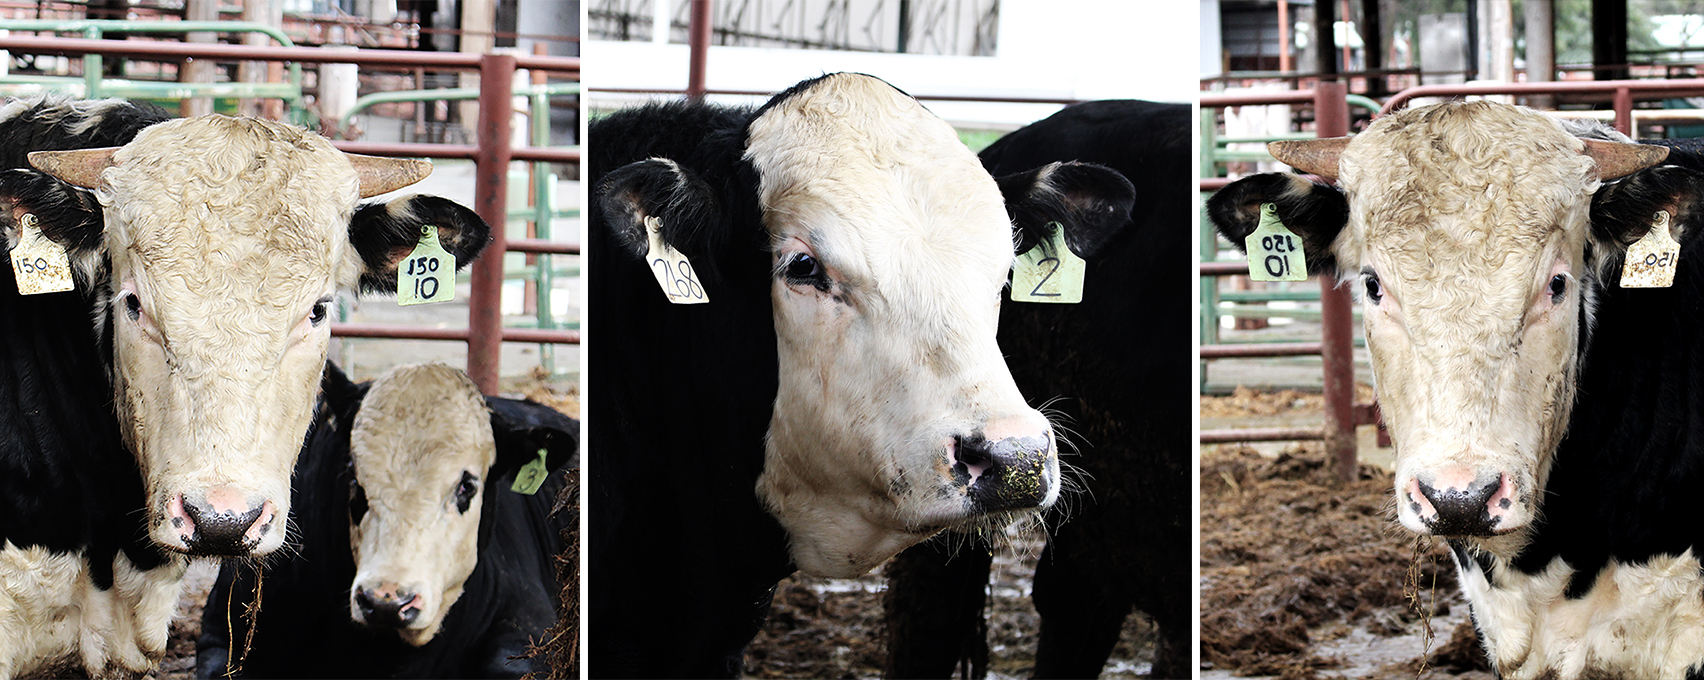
(1651, 260)
(674, 273)
(429, 273)
(39, 264)
(1049, 272)
(1274, 252)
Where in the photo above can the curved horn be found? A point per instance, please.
(1619, 159)
(383, 175)
(1318, 156)
(81, 167)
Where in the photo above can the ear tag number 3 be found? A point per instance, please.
(429, 273)
(531, 476)
(1274, 252)
(1049, 272)
(1651, 260)
(674, 273)
(39, 264)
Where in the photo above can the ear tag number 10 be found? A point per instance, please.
(674, 273)
(1049, 272)
(1274, 252)
(1651, 260)
(429, 273)
(39, 264)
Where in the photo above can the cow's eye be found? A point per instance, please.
(132, 305)
(1375, 292)
(1558, 288)
(318, 315)
(802, 267)
(465, 489)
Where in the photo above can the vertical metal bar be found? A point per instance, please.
(699, 35)
(92, 67)
(1331, 119)
(1624, 111)
(491, 200)
(1209, 242)
(544, 209)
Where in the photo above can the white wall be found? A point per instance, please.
(1068, 49)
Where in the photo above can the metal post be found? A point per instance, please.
(1331, 119)
(698, 33)
(1624, 111)
(491, 200)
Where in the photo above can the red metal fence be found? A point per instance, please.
(485, 333)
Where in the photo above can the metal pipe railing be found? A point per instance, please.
(1621, 91)
(484, 333)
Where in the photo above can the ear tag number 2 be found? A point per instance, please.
(1274, 252)
(531, 476)
(674, 273)
(1049, 272)
(429, 273)
(39, 264)
(1651, 260)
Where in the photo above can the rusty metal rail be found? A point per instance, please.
(1622, 93)
(485, 333)
(1336, 349)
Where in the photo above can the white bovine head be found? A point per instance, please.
(224, 242)
(1467, 233)
(889, 246)
(422, 451)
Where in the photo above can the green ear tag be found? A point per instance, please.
(674, 273)
(1274, 253)
(38, 263)
(531, 476)
(429, 273)
(1651, 260)
(1049, 272)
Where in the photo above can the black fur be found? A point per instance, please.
(1315, 212)
(385, 233)
(304, 629)
(1126, 542)
(1092, 202)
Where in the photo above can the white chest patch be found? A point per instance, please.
(1637, 621)
(50, 611)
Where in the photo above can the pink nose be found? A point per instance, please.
(224, 521)
(1458, 501)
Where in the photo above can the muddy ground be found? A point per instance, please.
(832, 628)
(1306, 577)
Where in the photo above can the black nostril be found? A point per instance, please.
(389, 611)
(364, 601)
(1008, 474)
(219, 533)
(1462, 512)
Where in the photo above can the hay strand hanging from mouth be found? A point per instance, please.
(1411, 593)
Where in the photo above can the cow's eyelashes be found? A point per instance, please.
(321, 310)
(802, 267)
(1375, 291)
(132, 305)
(1558, 288)
(465, 489)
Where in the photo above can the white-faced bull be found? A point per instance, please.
(163, 400)
(841, 395)
(1541, 413)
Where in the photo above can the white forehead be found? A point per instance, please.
(871, 178)
(420, 421)
(254, 197)
(1465, 186)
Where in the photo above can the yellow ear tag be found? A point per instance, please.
(531, 476)
(1049, 272)
(39, 263)
(674, 273)
(1274, 252)
(1651, 260)
(429, 273)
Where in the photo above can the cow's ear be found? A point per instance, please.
(1090, 202)
(67, 214)
(522, 427)
(683, 206)
(1623, 212)
(385, 233)
(339, 393)
(1315, 212)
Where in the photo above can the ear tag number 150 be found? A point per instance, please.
(1651, 260)
(1049, 272)
(39, 264)
(429, 273)
(1274, 252)
(674, 273)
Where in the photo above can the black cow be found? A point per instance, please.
(304, 625)
(813, 224)
(1115, 361)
